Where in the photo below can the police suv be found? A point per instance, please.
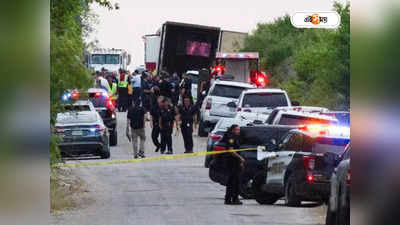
(299, 167)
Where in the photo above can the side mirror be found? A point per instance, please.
(295, 103)
(272, 147)
(232, 105)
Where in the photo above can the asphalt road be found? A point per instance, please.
(169, 192)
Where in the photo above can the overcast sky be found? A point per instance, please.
(125, 27)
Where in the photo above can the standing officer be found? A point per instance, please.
(174, 81)
(186, 86)
(122, 90)
(111, 88)
(146, 92)
(235, 165)
(167, 119)
(155, 122)
(187, 115)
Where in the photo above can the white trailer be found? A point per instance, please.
(151, 51)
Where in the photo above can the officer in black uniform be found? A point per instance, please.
(155, 113)
(186, 86)
(235, 165)
(187, 112)
(167, 118)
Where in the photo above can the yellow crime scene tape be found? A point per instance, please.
(149, 159)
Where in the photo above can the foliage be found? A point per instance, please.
(313, 65)
(70, 21)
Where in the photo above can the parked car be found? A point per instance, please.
(215, 104)
(79, 106)
(105, 107)
(299, 167)
(338, 212)
(82, 132)
(257, 104)
(218, 132)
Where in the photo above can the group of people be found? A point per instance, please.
(166, 102)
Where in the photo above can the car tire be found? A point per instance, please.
(246, 190)
(261, 197)
(330, 216)
(113, 138)
(207, 161)
(290, 194)
(202, 132)
(343, 213)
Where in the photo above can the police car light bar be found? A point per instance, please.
(326, 129)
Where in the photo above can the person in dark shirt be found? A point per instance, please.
(136, 124)
(155, 113)
(167, 118)
(235, 165)
(155, 89)
(166, 88)
(187, 115)
(186, 86)
(146, 92)
(174, 81)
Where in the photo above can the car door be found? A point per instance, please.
(274, 163)
(278, 164)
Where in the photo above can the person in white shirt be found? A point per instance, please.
(136, 82)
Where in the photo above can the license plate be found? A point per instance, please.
(77, 133)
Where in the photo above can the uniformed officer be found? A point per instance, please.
(155, 113)
(188, 115)
(235, 165)
(186, 86)
(166, 123)
(123, 96)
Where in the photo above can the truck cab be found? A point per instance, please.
(110, 59)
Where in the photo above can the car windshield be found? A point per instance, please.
(76, 108)
(333, 145)
(270, 100)
(227, 91)
(105, 59)
(100, 102)
(296, 120)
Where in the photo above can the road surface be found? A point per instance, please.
(169, 192)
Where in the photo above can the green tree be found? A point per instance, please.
(68, 24)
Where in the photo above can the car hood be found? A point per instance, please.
(69, 118)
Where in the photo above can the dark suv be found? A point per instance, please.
(105, 107)
(299, 168)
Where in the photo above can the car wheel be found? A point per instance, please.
(207, 161)
(290, 194)
(202, 132)
(260, 196)
(343, 213)
(246, 190)
(330, 216)
(113, 138)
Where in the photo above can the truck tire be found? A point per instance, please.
(261, 197)
(113, 138)
(105, 155)
(290, 194)
(202, 132)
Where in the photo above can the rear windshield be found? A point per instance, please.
(76, 108)
(270, 100)
(334, 145)
(296, 120)
(99, 102)
(227, 91)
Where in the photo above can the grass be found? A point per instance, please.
(65, 190)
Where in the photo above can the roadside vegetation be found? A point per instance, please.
(70, 22)
(312, 65)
